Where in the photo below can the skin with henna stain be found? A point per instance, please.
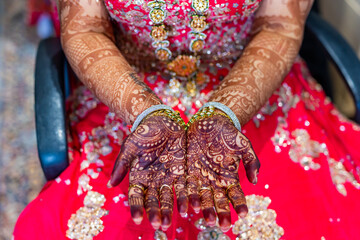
(88, 41)
(159, 142)
(277, 34)
(215, 148)
(155, 155)
(214, 144)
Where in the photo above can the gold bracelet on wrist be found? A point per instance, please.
(173, 115)
(206, 112)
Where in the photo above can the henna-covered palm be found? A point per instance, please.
(155, 155)
(214, 150)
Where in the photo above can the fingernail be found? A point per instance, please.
(183, 215)
(156, 226)
(256, 178)
(109, 184)
(242, 215)
(211, 224)
(242, 210)
(197, 211)
(138, 220)
(225, 229)
(165, 228)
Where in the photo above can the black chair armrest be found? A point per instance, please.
(340, 53)
(50, 108)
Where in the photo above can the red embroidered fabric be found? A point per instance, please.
(308, 185)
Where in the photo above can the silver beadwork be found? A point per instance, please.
(226, 110)
(149, 110)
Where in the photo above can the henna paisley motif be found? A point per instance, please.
(155, 155)
(88, 41)
(214, 150)
(277, 35)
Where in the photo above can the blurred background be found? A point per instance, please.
(23, 23)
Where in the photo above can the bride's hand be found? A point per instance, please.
(214, 150)
(155, 155)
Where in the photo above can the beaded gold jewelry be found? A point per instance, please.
(158, 32)
(173, 115)
(206, 188)
(183, 66)
(198, 24)
(206, 112)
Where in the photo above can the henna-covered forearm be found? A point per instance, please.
(277, 36)
(87, 40)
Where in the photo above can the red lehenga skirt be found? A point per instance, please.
(308, 184)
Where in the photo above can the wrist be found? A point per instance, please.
(221, 108)
(207, 112)
(160, 110)
(173, 115)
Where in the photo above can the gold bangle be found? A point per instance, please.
(173, 115)
(230, 186)
(206, 113)
(165, 185)
(137, 186)
(205, 188)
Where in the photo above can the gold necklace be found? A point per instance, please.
(183, 66)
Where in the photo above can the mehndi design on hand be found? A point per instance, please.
(155, 155)
(215, 148)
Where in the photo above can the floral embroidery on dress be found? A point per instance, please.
(97, 144)
(281, 138)
(340, 176)
(250, 6)
(160, 235)
(304, 151)
(285, 101)
(260, 222)
(209, 233)
(343, 119)
(229, 25)
(82, 101)
(86, 223)
(84, 185)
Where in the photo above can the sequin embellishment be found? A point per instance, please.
(209, 233)
(158, 32)
(260, 223)
(304, 151)
(340, 176)
(86, 223)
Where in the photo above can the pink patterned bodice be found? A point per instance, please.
(229, 23)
